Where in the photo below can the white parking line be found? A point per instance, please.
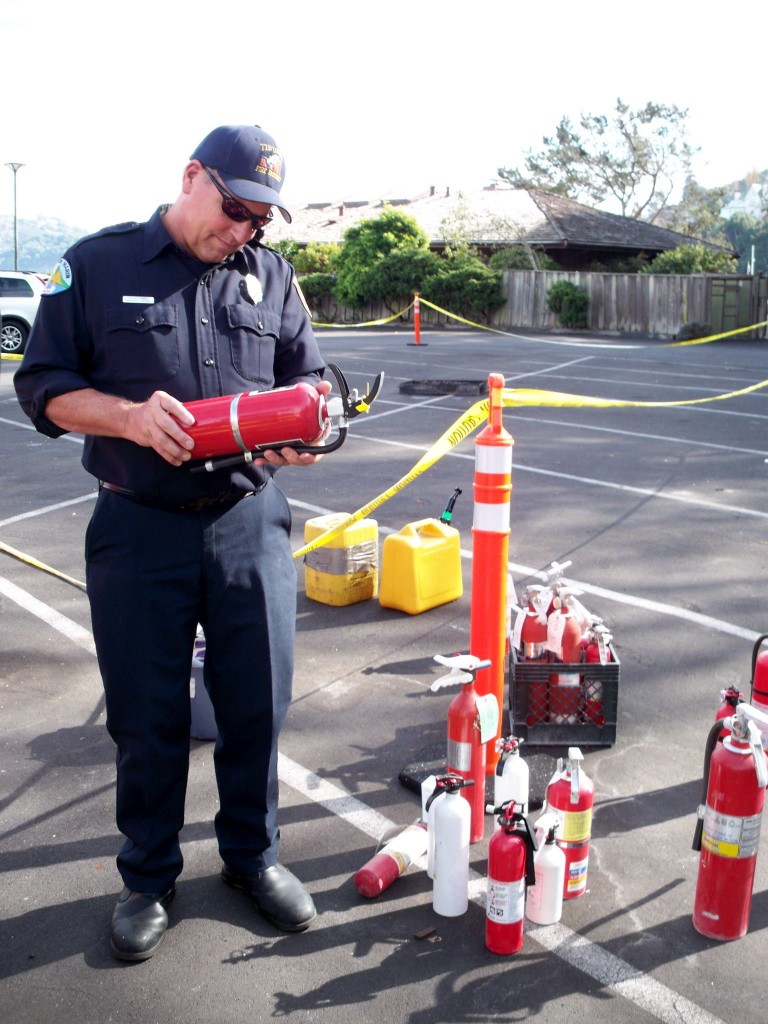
(615, 974)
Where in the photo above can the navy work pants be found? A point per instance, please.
(153, 575)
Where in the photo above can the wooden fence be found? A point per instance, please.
(650, 304)
(655, 305)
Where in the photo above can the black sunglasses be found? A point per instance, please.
(235, 210)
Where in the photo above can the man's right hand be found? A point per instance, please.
(157, 423)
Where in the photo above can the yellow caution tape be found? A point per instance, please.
(460, 429)
(673, 344)
(368, 323)
(6, 549)
(477, 414)
(714, 337)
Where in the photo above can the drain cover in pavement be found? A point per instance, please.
(444, 387)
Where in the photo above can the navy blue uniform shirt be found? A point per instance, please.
(128, 313)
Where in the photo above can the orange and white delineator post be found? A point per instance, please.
(490, 547)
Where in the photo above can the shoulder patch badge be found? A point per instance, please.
(60, 279)
(300, 293)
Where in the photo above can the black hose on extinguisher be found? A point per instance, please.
(712, 738)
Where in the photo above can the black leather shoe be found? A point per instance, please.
(278, 895)
(139, 922)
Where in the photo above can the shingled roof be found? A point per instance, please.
(498, 214)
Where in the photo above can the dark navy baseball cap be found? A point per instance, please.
(248, 161)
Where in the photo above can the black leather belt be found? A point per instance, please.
(209, 501)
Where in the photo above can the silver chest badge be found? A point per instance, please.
(253, 286)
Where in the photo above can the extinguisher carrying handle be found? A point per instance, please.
(712, 738)
(511, 823)
(352, 405)
(755, 650)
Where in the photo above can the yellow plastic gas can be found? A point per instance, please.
(421, 567)
(346, 569)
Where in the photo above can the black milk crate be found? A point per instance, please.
(591, 719)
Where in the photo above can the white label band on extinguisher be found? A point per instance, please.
(729, 835)
(505, 901)
(459, 755)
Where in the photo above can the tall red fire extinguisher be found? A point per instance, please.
(472, 723)
(529, 638)
(510, 870)
(571, 795)
(728, 830)
(564, 642)
(759, 695)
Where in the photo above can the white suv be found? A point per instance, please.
(19, 298)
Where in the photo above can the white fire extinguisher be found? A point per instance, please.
(511, 781)
(544, 900)
(510, 870)
(449, 817)
(570, 795)
(728, 830)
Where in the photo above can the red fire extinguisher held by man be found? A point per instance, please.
(472, 723)
(510, 870)
(571, 795)
(728, 830)
(230, 429)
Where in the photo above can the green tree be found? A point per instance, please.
(316, 258)
(743, 232)
(365, 245)
(287, 248)
(692, 259)
(463, 284)
(634, 158)
(521, 257)
(569, 303)
(698, 212)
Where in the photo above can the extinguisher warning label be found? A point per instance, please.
(576, 825)
(728, 835)
(505, 901)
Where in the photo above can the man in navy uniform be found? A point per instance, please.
(138, 319)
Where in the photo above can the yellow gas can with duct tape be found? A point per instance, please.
(421, 567)
(346, 569)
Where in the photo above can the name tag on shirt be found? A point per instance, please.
(143, 299)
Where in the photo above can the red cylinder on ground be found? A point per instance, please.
(729, 842)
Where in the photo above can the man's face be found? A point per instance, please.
(209, 234)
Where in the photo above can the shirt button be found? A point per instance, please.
(208, 362)
(139, 319)
(260, 325)
(204, 320)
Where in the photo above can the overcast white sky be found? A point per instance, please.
(103, 102)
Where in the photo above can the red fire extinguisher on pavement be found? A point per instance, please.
(728, 830)
(759, 696)
(730, 699)
(472, 722)
(571, 795)
(510, 870)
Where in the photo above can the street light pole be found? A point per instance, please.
(14, 167)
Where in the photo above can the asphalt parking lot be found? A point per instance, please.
(662, 512)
